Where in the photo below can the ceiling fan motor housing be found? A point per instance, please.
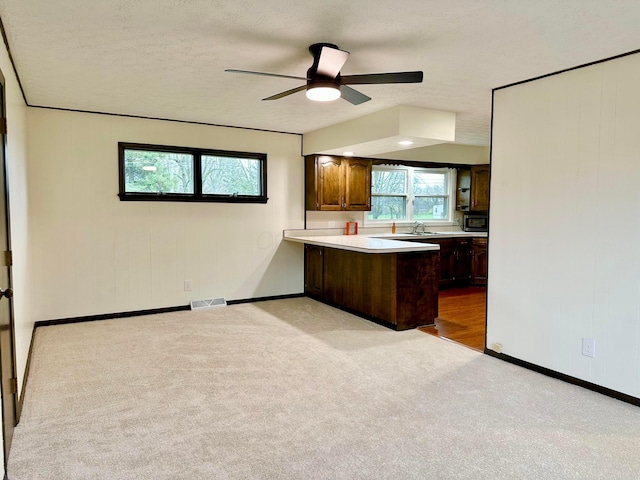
(324, 81)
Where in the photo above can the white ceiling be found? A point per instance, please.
(166, 58)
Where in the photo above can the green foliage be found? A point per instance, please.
(165, 172)
(158, 172)
(229, 176)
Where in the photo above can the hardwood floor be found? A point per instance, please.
(461, 316)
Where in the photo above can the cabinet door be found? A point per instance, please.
(479, 261)
(357, 183)
(480, 188)
(447, 261)
(463, 261)
(463, 192)
(330, 186)
(314, 269)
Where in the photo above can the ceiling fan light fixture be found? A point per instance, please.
(325, 83)
(323, 93)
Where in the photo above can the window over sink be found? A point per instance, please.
(409, 194)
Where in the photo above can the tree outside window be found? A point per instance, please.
(155, 172)
(403, 193)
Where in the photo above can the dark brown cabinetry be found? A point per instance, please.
(479, 188)
(397, 289)
(479, 261)
(314, 269)
(463, 260)
(455, 260)
(335, 183)
(472, 193)
(463, 192)
(447, 260)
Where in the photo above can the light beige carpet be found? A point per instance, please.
(294, 389)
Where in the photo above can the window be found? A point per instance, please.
(155, 172)
(402, 193)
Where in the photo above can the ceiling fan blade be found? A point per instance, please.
(264, 74)
(353, 96)
(331, 61)
(372, 78)
(284, 94)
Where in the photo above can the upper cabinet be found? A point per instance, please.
(335, 183)
(473, 189)
(480, 188)
(463, 192)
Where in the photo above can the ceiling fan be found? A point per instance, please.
(324, 82)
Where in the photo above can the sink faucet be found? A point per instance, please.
(418, 227)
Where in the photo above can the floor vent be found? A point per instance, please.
(209, 303)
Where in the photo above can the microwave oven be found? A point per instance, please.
(475, 222)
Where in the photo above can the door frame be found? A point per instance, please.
(7, 221)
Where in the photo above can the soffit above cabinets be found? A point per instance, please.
(382, 132)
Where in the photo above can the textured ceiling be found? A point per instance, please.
(166, 58)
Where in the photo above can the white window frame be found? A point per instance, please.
(410, 197)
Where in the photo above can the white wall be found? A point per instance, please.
(565, 227)
(94, 254)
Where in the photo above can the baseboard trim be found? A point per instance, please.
(109, 316)
(25, 379)
(265, 299)
(153, 311)
(566, 378)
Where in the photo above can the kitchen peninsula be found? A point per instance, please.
(391, 282)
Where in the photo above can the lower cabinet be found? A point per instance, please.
(479, 261)
(463, 261)
(455, 260)
(313, 269)
(447, 260)
(399, 290)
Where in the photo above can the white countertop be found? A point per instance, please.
(459, 234)
(374, 242)
(361, 243)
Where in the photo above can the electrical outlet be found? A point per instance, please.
(187, 285)
(589, 347)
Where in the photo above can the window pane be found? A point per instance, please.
(387, 207)
(388, 181)
(229, 176)
(158, 172)
(430, 208)
(429, 183)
